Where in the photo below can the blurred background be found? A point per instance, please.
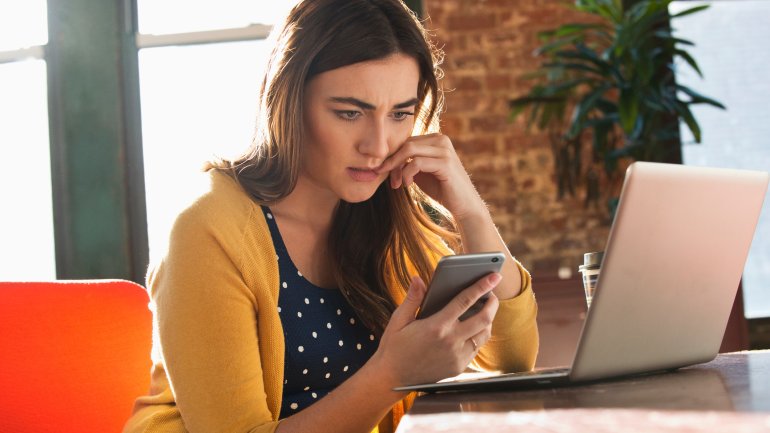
(108, 109)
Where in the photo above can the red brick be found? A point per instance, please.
(458, 102)
(519, 138)
(469, 61)
(559, 223)
(474, 43)
(498, 82)
(483, 186)
(464, 84)
(453, 43)
(452, 125)
(481, 21)
(489, 124)
(504, 39)
(513, 4)
(528, 184)
(475, 145)
(488, 46)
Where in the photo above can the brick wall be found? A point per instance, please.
(488, 46)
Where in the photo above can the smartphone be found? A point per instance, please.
(453, 275)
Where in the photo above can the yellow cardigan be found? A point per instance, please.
(218, 344)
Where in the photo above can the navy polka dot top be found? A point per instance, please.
(325, 341)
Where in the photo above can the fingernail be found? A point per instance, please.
(494, 279)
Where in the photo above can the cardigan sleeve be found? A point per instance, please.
(207, 330)
(514, 343)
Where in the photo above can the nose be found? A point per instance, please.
(376, 142)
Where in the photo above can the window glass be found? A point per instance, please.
(26, 222)
(181, 16)
(22, 24)
(731, 50)
(198, 102)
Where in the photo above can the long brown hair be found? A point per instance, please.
(371, 243)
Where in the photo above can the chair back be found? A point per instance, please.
(74, 355)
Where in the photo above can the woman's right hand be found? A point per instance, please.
(421, 351)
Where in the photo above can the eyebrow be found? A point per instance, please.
(367, 106)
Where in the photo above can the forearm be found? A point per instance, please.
(513, 345)
(479, 234)
(356, 406)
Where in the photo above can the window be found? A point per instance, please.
(23, 24)
(731, 51)
(26, 223)
(199, 79)
(184, 16)
(198, 102)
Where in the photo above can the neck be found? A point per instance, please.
(308, 205)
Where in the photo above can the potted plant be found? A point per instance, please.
(615, 74)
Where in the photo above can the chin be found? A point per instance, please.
(358, 195)
(357, 198)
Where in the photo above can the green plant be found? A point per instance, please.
(615, 73)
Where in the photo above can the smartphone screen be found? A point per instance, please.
(453, 275)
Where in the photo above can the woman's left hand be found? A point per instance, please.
(431, 162)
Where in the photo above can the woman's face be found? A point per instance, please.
(355, 117)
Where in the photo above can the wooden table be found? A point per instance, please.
(729, 394)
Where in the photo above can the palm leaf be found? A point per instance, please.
(616, 74)
(689, 59)
(668, 36)
(583, 108)
(690, 11)
(573, 67)
(698, 98)
(684, 112)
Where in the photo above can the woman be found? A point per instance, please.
(286, 301)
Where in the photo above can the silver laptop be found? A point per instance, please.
(671, 269)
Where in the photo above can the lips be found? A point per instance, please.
(362, 174)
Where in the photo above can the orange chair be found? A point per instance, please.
(73, 355)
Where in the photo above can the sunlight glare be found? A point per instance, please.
(26, 222)
(181, 16)
(198, 102)
(23, 23)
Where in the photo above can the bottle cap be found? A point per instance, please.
(591, 260)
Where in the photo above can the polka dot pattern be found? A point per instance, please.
(326, 343)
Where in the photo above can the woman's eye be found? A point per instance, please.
(348, 115)
(402, 115)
